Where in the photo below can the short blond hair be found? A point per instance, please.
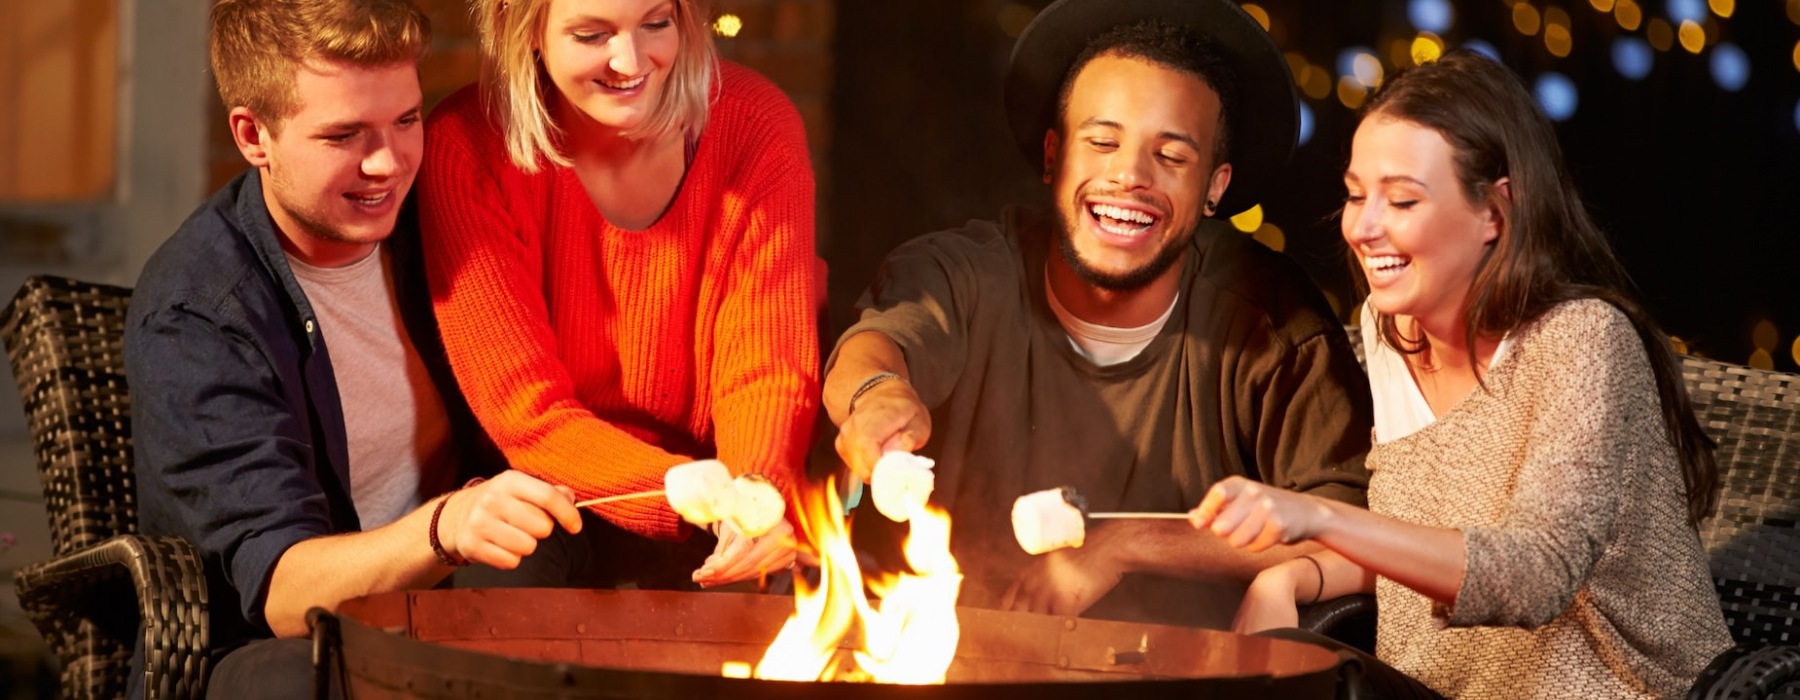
(515, 86)
(258, 45)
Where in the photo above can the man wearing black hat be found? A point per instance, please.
(1127, 343)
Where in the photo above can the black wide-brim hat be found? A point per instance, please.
(1265, 121)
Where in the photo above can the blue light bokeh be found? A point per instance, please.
(1435, 16)
(1730, 67)
(1557, 95)
(1632, 57)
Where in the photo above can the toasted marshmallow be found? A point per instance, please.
(700, 492)
(759, 506)
(902, 482)
(1046, 520)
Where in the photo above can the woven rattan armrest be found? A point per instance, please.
(1754, 670)
(79, 603)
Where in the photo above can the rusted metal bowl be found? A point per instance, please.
(552, 643)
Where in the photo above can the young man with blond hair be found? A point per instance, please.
(304, 475)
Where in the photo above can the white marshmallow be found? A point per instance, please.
(759, 506)
(902, 481)
(700, 492)
(1045, 520)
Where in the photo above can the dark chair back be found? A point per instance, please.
(107, 588)
(66, 342)
(1752, 538)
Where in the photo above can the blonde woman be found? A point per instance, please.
(619, 239)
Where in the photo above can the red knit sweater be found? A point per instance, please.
(598, 357)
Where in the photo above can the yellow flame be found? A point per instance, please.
(910, 638)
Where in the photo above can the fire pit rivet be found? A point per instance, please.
(681, 630)
(1063, 662)
(493, 631)
(581, 628)
(1069, 624)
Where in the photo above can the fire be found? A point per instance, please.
(910, 638)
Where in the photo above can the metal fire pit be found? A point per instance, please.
(550, 643)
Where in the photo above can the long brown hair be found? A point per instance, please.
(1549, 250)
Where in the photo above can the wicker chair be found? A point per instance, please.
(1752, 538)
(65, 341)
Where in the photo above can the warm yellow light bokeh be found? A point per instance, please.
(1761, 359)
(1296, 65)
(1661, 36)
(1693, 38)
(1350, 92)
(1793, 8)
(1764, 336)
(1722, 8)
(1271, 236)
(1316, 82)
(1630, 16)
(1399, 52)
(728, 25)
(1248, 220)
(1014, 17)
(1527, 19)
(1427, 47)
(1797, 55)
(1796, 350)
(1558, 41)
(1257, 13)
(1602, 5)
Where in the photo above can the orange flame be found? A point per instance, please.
(911, 638)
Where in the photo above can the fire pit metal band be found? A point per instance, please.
(551, 643)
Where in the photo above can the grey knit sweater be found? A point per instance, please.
(1584, 579)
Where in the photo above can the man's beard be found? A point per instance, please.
(1127, 281)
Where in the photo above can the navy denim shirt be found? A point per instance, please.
(237, 426)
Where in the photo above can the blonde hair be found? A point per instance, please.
(516, 88)
(257, 45)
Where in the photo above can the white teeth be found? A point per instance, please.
(1385, 263)
(370, 199)
(1120, 221)
(627, 85)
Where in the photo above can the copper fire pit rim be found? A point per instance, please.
(428, 655)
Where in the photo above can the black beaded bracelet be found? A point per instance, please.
(864, 388)
(443, 555)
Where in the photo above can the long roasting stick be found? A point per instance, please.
(620, 497)
(1134, 516)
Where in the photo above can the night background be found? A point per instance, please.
(1690, 160)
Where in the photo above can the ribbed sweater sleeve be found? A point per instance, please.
(765, 367)
(561, 327)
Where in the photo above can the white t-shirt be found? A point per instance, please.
(1105, 345)
(398, 431)
(1400, 407)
